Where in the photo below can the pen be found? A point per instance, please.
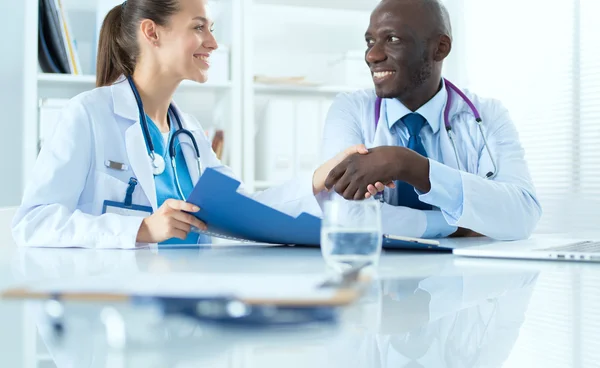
(412, 240)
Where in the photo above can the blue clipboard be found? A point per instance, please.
(230, 214)
(234, 215)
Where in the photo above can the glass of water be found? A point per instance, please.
(351, 233)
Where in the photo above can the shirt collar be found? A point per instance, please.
(432, 110)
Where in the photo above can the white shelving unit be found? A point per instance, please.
(215, 104)
(264, 37)
(295, 38)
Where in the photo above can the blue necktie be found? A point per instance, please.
(407, 197)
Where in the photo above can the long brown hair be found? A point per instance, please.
(118, 50)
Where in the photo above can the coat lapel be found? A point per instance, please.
(125, 106)
(140, 162)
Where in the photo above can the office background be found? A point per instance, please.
(281, 62)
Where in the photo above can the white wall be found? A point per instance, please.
(11, 99)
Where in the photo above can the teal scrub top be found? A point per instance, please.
(166, 186)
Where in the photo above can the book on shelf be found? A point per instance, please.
(57, 52)
(217, 139)
(285, 80)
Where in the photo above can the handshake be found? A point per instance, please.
(359, 173)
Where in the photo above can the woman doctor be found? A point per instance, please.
(102, 157)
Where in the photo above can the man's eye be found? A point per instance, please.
(394, 39)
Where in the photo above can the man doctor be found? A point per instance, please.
(439, 183)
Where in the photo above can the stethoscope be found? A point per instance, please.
(157, 161)
(489, 175)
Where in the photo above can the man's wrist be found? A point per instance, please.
(414, 169)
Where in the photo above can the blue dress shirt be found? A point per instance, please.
(433, 112)
(166, 186)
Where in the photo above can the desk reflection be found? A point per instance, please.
(455, 318)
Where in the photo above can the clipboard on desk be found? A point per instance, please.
(258, 300)
(251, 289)
(408, 243)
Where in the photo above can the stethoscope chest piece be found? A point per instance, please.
(158, 164)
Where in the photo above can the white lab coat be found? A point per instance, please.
(504, 208)
(62, 204)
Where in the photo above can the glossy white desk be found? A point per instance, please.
(427, 310)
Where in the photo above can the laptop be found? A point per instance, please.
(538, 247)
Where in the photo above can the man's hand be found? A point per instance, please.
(465, 233)
(321, 173)
(353, 178)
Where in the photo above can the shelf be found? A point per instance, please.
(362, 5)
(90, 81)
(68, 85)
(321, 90)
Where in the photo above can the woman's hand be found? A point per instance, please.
(373, 189)
(168, 222)
(321, 173)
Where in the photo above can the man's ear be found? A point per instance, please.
(444, 46)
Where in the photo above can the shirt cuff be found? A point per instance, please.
(311, 203)
(437, 226)
(446, 189)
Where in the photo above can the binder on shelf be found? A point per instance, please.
(307, 135)
(51, 49)
(68, 39)
(275, 141)
(56, 46)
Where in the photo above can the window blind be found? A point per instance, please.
(542, 61)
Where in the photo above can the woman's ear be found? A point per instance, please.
(149, 31)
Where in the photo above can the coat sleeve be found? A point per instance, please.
(505, 208)
(49, 214)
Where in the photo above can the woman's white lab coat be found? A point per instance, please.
(62, 203)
